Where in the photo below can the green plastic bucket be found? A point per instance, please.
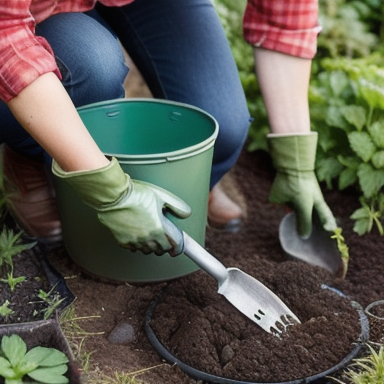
(165, 143)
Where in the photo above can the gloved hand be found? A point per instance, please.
(296, 185)
(131, 209)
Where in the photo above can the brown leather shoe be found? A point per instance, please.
(30, 197)
(223, 213)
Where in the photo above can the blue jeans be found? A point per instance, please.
(179, 47)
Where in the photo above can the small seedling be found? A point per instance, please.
(10, 245)
(366, 370)
(5, 311)
(343, 249)
(52, 299)
(13, 281)
(44, 365)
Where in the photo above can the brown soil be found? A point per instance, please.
(375, 313)
(203, 330)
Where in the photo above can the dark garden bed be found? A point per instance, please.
(41, 293)
(198, 325)
(202, 330)
(30, 308)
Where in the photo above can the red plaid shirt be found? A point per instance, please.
(289, 26)
(23, 55)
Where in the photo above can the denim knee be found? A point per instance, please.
(88, 55)
(98, 78)
(233, 132)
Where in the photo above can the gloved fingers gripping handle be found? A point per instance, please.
(174, 234)
(172, 203)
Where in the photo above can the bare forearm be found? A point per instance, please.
(45, 110)
(284, 82)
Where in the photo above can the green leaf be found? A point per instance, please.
(37, 354)
(364, 221)
(338, 81)
(371, 92)
(347, 177)
(361, 213)
(327, 169)
(4, 363)
(362, 145)
(25, 367)
(55, 357)
(326, 138)
(355, 115)
(370, 179)
(378, 160)
(13, 381)
(349, 161)
(51, 375)
(334, 118)
(6, 370)
(10, 245)
(376, 131)
(363, 226)
(14, 348)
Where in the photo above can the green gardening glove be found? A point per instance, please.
(295, 184)
(131, 209)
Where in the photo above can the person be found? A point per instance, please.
(284, 38)
(59, 55)
(182, 52)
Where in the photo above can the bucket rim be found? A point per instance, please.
(163, 156)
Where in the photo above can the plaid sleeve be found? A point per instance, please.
(23, 55)
(287, 26)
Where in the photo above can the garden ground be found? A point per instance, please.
(256, 250)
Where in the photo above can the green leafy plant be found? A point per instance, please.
(52, 299)
(45, 365)
(366, 370)
(347, 106)
(349, 28)
(13, 281)
(5, 311)
(370, 213)
(10, 245)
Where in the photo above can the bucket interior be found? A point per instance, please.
(148, 129)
